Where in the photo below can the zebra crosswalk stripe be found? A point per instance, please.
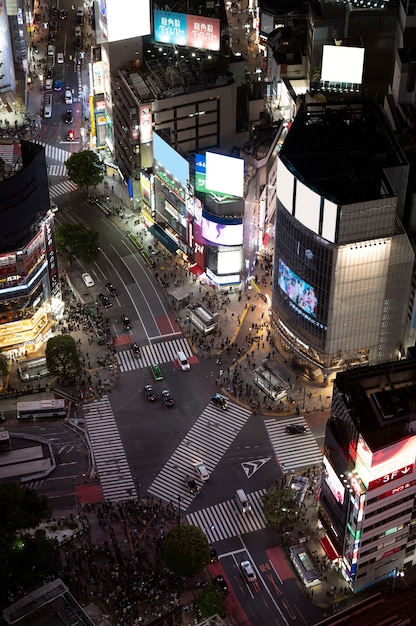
(53, 152)
(293, 451)
(6, 152)
(57, 170)
(225, 520)
(62, 188)
(155, 353)
(207, 441)
(111, 463)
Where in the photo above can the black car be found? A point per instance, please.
(2, 417)
(149, 393)
(126, 322)
(167, 398)
(191, 484)
(105, 301)
(221, 583)
(213, 555)
(63, 14)
(69, 118)
(220, 401)
(111, 289)
(136, 350)
(295, 429)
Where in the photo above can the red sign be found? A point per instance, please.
(392, 492)
(388, 478)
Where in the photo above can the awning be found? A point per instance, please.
(266, 239)
(164, 238)
(329, 549)
(195, 269)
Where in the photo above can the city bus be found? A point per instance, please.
(5, 442)
(41, 409)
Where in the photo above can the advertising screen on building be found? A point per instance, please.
(173, 162)
(181, 29)
(342, 64)
(333, 482)
(123, 19)
(219, 174)
(387, 465)
(302, 294)
(221, 231)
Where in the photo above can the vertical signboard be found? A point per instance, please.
(51, 258)
(145, 113)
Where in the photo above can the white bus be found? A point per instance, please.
(41, 409)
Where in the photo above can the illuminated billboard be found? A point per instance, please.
(123, 19)
(173, 162)
(342, 64)
(386, 465)
(181, 29)
(146, 128)
(333, 482)
(302, 294)
(222, 231)
(219, 174)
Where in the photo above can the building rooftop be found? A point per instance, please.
(341, 151)
(381, 400)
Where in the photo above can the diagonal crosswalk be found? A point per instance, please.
(57, 170)
(155, 353)
(53, 152)
(6, 152)
(225, 520)
(207, 441)
(110, 460)
(62, 188)
(294, 452)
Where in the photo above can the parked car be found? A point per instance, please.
(220, 582)
(149, 393)
(167, 398)
(126, 322)
(191, 484)
(136, 350)
(111, 289)
(295, 429)
(156, 371)
(87, 279)
(202, 471)
(220, 401)
(248, 571)
(105, 301)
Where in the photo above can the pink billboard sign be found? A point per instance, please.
(203, 32)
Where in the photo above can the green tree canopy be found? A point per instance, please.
(20, 508)
(211, 601)
(85, 168)
(62, 358)
(186, 550)
(280, 509)
(75, 241)
(4, 365)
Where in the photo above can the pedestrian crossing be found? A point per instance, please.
(53, 152)
(154, 353)
(6, 152)
(225, 520)
(110, 460)
(294, 452)
(207, 441)
(61, 189)
(57, 170)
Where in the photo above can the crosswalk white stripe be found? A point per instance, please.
(163, 352)
(62, 188)
(6, 152)
(57, 170)
(293, 451)
(53, 152)
(112, 466)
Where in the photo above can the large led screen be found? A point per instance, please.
(342, 64)
(308, 207)
(284, 186)
(123, 19)
(173, 162)
(181, 29)
(222, 233)
(333, 482)
(219, 174)
(302, 294)
(229, 262)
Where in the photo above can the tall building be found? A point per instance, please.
(368, 485)
(343, 261)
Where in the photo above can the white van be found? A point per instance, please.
(47, 109)
(183, 361)
(242, 501)
(68, 96)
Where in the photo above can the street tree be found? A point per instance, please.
(280, 508)
(186, 550)
(20, 508)
(62, 358)
(85, 168)
(4, 365)
(75, 241)
(211, 601)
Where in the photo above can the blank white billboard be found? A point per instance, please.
(330, 221)
(224, 174)
(284, 186)
(123, 19)
(308, 205)
(342, 64)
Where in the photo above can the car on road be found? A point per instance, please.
(49, 80)
(63, 14)
(87, 279)
(213, 555)
(2, 417)
(60, 57)
(57, 85)
(248, 571)
(126, 322)
(221, 583)
(111, 289)
(156, 371)
(105, 301)
(167, 398)
(149, 393)
(295, 429)
(69, 118)
(191, 484)
(220, 401)
(70, 136)
(202, 471)
(136, 350)
(68, 96)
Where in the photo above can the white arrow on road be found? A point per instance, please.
(251, 467)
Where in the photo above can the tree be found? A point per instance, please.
(211, 602)
(62, 358)
(85, 168)
(20, 508)
(280, 509)
(186, 550)
(75, 241)
(4, 366)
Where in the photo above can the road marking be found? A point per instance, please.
(251, 467)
